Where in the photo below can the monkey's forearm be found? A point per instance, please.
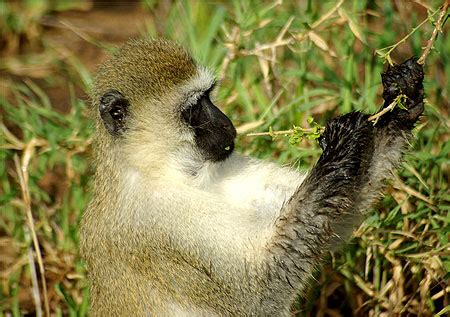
(393, 130)
(358, 157)
(310, 220)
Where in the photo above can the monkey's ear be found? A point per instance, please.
(114, 111)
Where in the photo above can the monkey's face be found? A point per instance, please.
(153, 98)
(213, 131)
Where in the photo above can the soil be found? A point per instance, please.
(66, 39)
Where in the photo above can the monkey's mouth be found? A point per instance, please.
(212, 149)
(228, 150)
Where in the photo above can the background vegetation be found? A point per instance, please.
(280, 63)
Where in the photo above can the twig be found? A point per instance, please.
(437, 28)
(391, 106)
(22, 172)
(390, 48)
(374, 118)
(283, 132)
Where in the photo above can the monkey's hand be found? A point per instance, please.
(406, 79)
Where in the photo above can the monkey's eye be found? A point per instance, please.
(113, 111)
(117, 113)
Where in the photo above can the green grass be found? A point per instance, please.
(398, 263)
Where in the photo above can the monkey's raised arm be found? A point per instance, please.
(325, 202)
(358, 157)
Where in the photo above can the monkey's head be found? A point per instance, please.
(152, 98)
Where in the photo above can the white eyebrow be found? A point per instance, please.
(202, 81)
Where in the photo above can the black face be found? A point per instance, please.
(214, 132)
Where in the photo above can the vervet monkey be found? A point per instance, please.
(180, 224)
